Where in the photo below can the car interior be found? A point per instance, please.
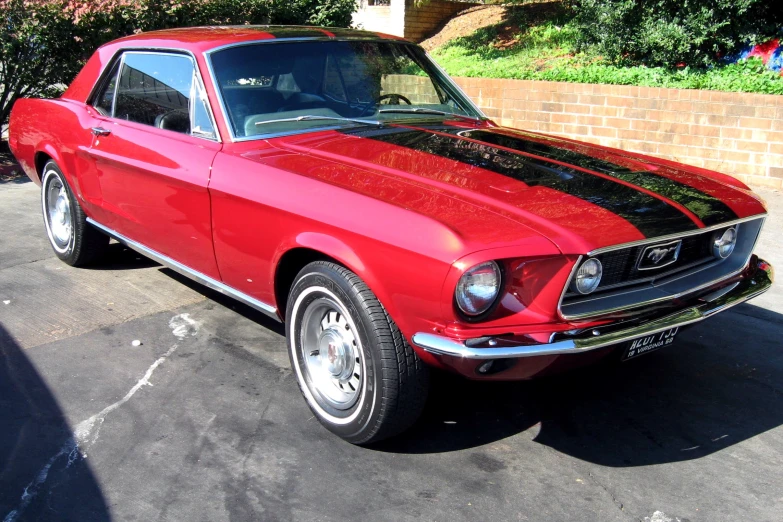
(262, 84)
(152, 89)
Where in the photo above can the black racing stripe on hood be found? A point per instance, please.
(651, 216)
(709, 209)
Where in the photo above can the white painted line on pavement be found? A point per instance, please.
(86, 432)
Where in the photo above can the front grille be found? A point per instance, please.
(620, 266)
(623, 286)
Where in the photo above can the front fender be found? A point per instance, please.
(406, 294)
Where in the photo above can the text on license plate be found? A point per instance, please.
(649, 343)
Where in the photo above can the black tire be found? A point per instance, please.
(83, 244)
(391, 380)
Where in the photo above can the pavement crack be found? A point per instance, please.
(600, 484)
(23, 263)
(86, 432)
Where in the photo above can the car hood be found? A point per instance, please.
(578, 196)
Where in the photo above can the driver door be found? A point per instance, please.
(152, 151)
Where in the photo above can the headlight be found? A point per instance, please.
(478, 288)
(723, 243)
(588, 276)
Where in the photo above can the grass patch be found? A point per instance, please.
(540, 44)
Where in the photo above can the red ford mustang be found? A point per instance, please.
(339, 181)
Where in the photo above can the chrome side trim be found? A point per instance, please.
(499, 348)
(116, 85)
(178, 267)
(675, 236)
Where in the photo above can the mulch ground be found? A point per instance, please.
(465, 23)
(468, 21)
(9, 168)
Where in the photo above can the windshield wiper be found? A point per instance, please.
(312, 117)
(422, 110)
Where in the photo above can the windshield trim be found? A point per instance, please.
(423, 111)
(439, 72)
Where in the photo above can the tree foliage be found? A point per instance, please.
(44, 43)
(671, 32)
(33, 43)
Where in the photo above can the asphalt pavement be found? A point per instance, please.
(203, 419)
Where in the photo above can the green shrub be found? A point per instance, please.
(44, 43)
(37, 47)
(547, 52)
(670, 32)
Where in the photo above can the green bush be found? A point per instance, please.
(671, 32)
(546, 51)
(37, 47)
(44, 43)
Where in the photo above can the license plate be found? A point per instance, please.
(650, 343)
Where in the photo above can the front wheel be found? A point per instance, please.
(357, 373)
(72, 238)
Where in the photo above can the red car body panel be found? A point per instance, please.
(408, 221)
(151, 184)
(555, 214)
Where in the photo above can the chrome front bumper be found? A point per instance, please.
(758, 281)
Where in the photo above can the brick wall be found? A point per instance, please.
(417, 89)
(738, 134)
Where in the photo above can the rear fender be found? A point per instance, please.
(63, 161)
(61, 137)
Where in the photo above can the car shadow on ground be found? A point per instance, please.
(718, 385)
(705, 393)
(37, 449)
(120, 257)
(245, 311)
(13, 179)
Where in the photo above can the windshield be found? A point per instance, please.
(277, 88)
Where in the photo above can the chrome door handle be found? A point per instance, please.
(100, 131)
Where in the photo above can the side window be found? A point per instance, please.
(154, 89)
(104, 102)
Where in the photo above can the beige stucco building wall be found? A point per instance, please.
(403, 18)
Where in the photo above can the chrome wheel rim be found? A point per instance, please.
(58, 212)
(331, 354)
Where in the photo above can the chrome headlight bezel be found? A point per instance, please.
(724, 242)
(481, 274)
(591, 270)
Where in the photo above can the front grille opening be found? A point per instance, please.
(623, 286)
(620, 267)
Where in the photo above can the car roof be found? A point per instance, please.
(200, 39)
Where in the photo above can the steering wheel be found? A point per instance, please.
(394, 99)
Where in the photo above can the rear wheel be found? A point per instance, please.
(72, 238)
(357, 373)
